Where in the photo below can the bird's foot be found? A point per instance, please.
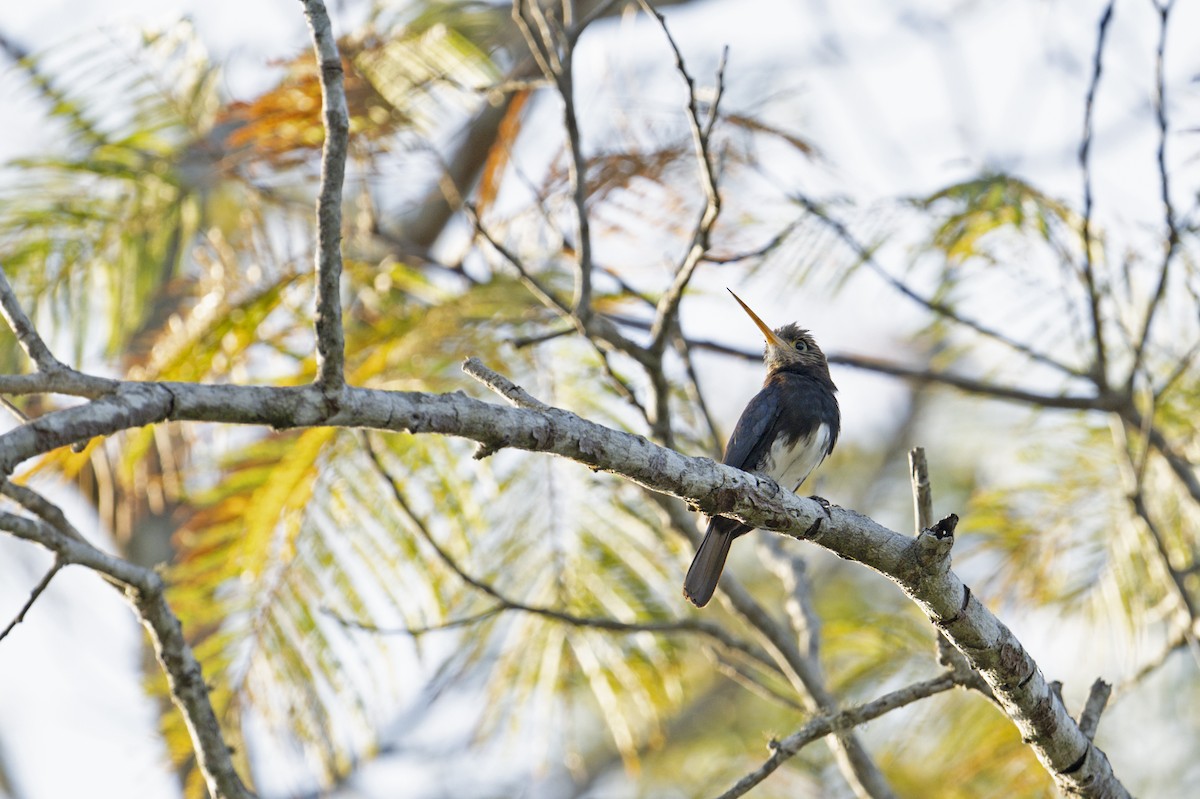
(815, 528)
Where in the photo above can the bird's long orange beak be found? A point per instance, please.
(772, 339)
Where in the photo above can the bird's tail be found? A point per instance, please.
(702, 576)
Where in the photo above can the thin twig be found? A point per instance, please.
(554, 52)
(597, 330)
(331, 344)
(1181, 368)
(844, 720)
(1184, 638)
(41, 507)
(520, 342)
(517, 396)
(741, 675)
(667, 310)
(770, 246)
(625, 390)
(24, 330)
(1133, 471)
(804, 674)
(792, 571)
(1100, 367)
(415, 632)
(1187, 604)
(696, 626)
(867, 257)
(42, 585)
(697, 394)
(544, 294)
(1160, 109)
(17, 413)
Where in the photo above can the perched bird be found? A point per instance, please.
(788, 428)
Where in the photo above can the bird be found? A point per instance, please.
(786, 430)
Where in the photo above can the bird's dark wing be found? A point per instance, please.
(751, 439)
(789, 405)
(810, 404)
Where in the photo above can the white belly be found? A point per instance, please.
(790, 469)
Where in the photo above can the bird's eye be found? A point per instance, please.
(800, 344)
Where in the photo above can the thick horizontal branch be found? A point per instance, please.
(920, 566)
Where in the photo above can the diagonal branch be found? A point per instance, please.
(145, 591)
(867, 257)
(920, 566)
(34, 595)
(713, 631)
(828, 724)
(802, 672)
(24, 330)
(331, 344)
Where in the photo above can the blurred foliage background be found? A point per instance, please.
(367, 607)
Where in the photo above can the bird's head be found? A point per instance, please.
(788, 346)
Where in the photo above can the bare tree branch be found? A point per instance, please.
(696, 394)
(1100, 366)
(144, 589)
(920, 566)
(517, 396)
(792, 572)
(1187, 604)
(416, 632)
(752, 682)
(1182, 639)
(554, 52)
(41, 586)
(1164, 182)
(867, 256)
(804, 674)
(543, 293)
(1089, 719)
(1133, 470)
(829, 724)
(61, 381)
(918, 469)
(331, 344)
(23, 329)
(667, 310)
(713, 631)
(41, 507)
